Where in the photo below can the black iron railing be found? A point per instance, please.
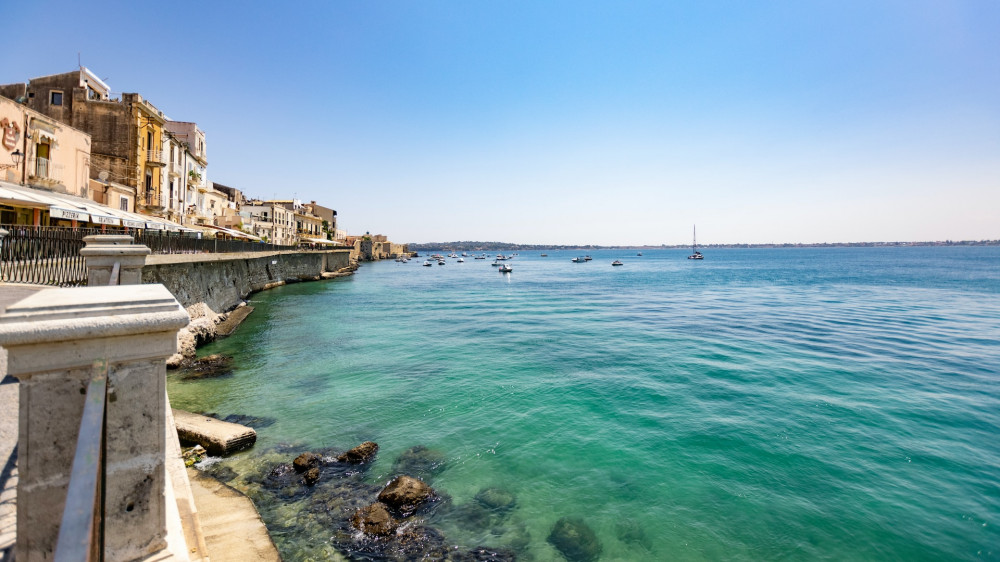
(43, 256)
(173, 242)
(46, 255)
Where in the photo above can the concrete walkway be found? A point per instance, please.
(231, 525)
(9, 294)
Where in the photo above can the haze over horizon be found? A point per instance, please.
(565, 123)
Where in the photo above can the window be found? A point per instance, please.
(123, 203)
(55, 97)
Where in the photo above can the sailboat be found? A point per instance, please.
(696, 255)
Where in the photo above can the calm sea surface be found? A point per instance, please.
(758, 405)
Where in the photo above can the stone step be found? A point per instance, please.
(216, 436)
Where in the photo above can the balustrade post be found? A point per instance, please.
(104, 251)
(53, 339)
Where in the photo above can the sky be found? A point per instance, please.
(570, 122)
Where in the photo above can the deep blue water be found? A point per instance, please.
(836, 403)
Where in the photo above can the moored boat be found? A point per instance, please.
(617, 262)
(696, 255)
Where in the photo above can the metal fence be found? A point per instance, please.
(43, 256)
(46, 255)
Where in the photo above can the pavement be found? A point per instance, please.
(9, 294)
(232, 528)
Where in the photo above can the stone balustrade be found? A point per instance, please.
(53, 340)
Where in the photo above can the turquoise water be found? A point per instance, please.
(758, 405)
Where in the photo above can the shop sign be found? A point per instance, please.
(11, 133)
(58, 213)
(103, 220)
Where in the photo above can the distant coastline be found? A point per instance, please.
(507, 246)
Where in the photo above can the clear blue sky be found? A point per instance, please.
(570, 122)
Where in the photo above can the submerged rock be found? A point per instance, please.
(575, 540)
(255, 422)
(363, 453)
(419, 461)
(211, 366)
(374, 520)
(404, 494)
(496, 499)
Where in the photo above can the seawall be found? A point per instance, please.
(222, 281)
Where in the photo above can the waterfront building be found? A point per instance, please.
(53, 156)
(39, 152)
(329, 218)
(126, 132)
(192, 159)
(272, 221)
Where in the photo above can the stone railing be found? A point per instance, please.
(60, 340)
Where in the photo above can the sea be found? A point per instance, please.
(760, 404)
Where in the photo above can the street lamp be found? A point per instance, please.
(16, 156)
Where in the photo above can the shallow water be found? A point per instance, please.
(839, 403)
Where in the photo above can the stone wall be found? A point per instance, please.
(221, 281)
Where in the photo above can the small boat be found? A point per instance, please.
(578, 260)
(496, 263)
(587, 258)
(440, 262)
(505, 268)
(545, 255)
(427, 264)
(639, 254)
(480, 257)
(617, 262)
(696, 255)
(461, 260)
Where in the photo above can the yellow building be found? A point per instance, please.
(149, 159)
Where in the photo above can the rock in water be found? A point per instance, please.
(374, 520)
(363, 453)
(404, 494)
(312, 476)
(575, 540)
(305, 461)
(496, 499)
(420, 461)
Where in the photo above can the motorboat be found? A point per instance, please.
(427, 264)
(578, 260)
(440, 262)
(505, 268)
(480, 257)
(617, 262)
(496, 264)
(545, 255)
(639, 254)
(461, 260)
(587, 258)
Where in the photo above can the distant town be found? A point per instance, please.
(507, 246)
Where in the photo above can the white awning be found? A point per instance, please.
(319, 241)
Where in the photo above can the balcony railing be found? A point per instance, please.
(175, 169)
(154, 157)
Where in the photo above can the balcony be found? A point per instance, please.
(154, 158)
(175, 170)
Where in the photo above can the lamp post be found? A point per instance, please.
(17, 156)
